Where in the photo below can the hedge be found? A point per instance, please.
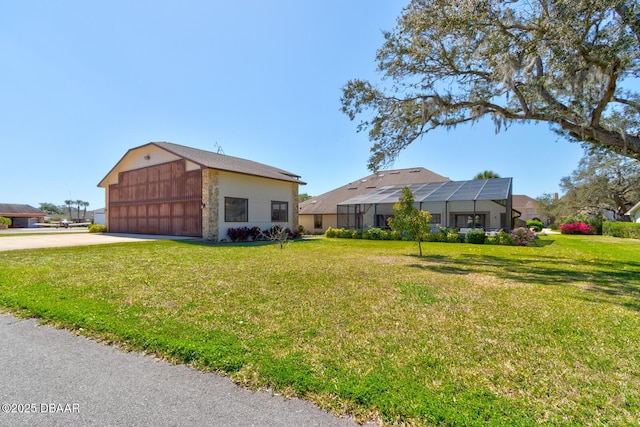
(627, 230)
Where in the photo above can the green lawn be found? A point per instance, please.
(465, 335)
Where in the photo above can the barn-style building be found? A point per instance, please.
(171, 189)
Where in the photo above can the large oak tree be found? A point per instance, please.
(569, 63)
(603, 181)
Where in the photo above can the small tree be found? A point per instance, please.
(278, 234)
(409, 220)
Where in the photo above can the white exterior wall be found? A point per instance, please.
(99, 218)
(260, 192)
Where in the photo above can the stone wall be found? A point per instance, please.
(210, 197)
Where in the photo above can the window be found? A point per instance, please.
(317, 221)
(466, 221)
(236, 210)
(279, 211)
(436, 219)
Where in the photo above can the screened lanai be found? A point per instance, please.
(485, 204)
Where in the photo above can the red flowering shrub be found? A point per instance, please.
(576, 228)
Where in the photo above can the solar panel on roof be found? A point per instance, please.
(486, 189)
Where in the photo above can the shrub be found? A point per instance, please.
(594, 221)
(373, 234)
(476, 237)
(242, 234)
(535, 224)
(627, 230)
(576, 228)
(522, 236)
(97, 228)
(5, 220)
(502, 238)
(453, 237)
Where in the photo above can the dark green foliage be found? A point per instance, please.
(370, 234)
(535, 224)
(475, 236)
(628, 230)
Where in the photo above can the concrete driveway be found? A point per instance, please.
(33, 238)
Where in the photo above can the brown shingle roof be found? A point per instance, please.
(12, 209)
(212, 160)
(228, 163)
(522, 202)
(327, 203)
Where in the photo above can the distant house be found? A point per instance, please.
(21, 216)
(634, 213)
(99, 216)
(166, 188)
(321, 212)
(484, 203)
(528, 208)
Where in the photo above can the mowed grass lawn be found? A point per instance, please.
(465, 335)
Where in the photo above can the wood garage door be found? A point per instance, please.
(161, 199)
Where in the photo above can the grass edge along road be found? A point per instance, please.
(466, 334)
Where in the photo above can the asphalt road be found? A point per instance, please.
(51, 377)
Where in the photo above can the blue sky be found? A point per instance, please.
(83, 82)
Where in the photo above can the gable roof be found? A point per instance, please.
(327, 203)
(634, 209)
(12, 209)
(522, 201)
(208, 159)
(477, 189)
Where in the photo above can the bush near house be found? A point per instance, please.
(521, 236)
(535, 224)
(627, 230)
(502, 238)
(5, 222)
(97, 228)
(576, 228)
(476, 237)
(244, 234)
(594, 221)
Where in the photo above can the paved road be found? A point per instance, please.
(68, 380)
